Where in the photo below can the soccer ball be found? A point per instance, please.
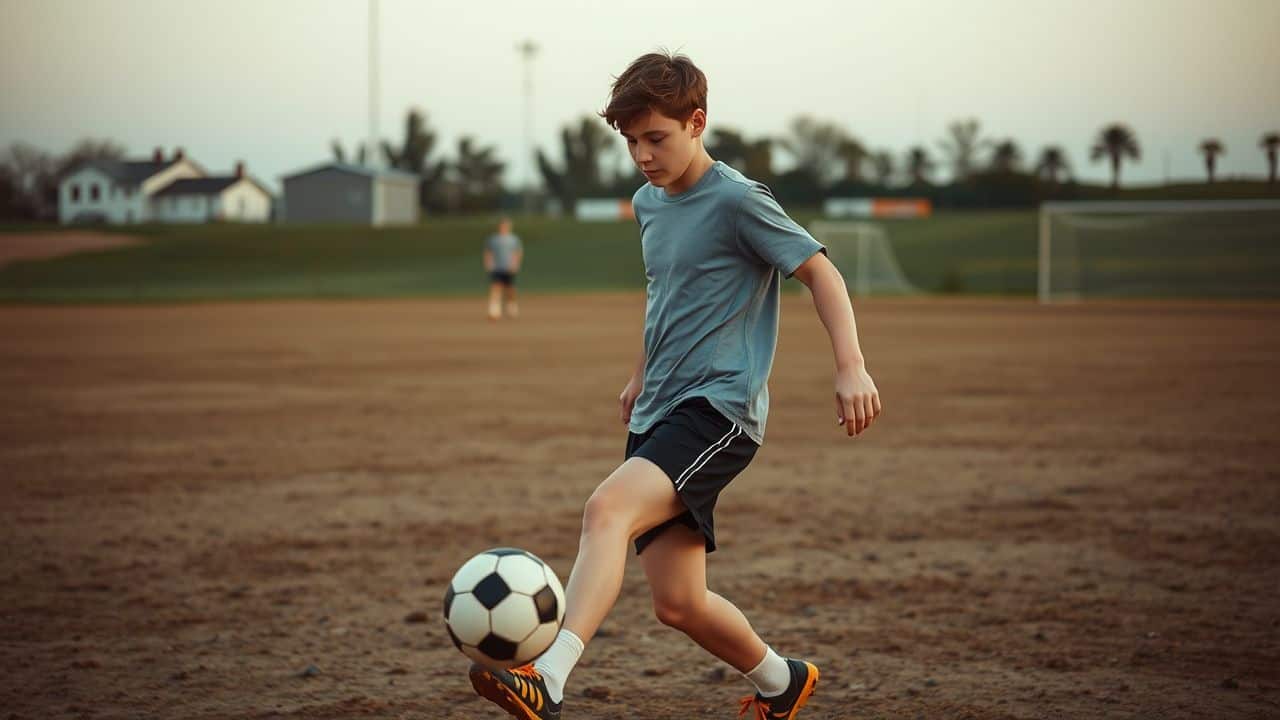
(503, 607)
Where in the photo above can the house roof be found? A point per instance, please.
(128, 172)
(355, 170)
(206, 186)
(198, 186)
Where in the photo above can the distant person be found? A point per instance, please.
(716, 247)
(503, 254)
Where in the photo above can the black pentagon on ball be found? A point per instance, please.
(545, 601)
(505, 551)
(491, 591)
(448, 600)
(456, 642)
(498, 648)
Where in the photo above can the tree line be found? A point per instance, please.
(825, 161)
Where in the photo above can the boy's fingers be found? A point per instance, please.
(870, 411)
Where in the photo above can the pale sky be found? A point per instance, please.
(272, 82)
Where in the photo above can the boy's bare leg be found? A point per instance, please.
(495, 300)
(676, 565)
(513, 310)
(636, 497)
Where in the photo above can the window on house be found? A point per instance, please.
(75, 193)
(95, 192)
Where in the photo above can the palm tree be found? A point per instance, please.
(1211, 149)
(1271, 144)
(478, 172)
(1116, 142)
(1052, 161)
(919, 165)
(882, 166)
(753, 157)
(854, 154)
(962, 146)
(1007, 157)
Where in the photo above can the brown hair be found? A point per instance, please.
(669, 84)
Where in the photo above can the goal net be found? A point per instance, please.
(862, 253)
(1210, 249)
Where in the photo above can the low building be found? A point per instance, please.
(342, 193)
(234, 198)
(158, 190)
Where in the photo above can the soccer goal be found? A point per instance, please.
(862, 252)
(1212, 249)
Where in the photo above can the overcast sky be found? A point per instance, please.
(274, 81)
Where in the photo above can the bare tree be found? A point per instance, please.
(816, 147)
(961, 147)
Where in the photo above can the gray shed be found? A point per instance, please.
(338, 192)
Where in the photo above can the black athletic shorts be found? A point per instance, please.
(503, 277)
(701, 451)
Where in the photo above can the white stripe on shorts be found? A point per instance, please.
(706, 456)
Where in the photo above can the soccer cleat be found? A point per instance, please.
(520, 691)
(804, 680)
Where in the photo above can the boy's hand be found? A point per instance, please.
(857, 400)
(627, 399)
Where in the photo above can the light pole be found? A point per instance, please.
(371, 151)
(527, 50)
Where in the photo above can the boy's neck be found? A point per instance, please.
(701, 163)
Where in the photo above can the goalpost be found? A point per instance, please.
(862, 252)
(1203, 248)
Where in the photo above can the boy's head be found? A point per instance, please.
(659, 104)
(504, 226)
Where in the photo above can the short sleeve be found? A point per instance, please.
(766, 231)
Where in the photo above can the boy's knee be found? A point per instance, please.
(601, 513)
(678, 613)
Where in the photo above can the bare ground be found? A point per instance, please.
(1065, 512)
(44, 245)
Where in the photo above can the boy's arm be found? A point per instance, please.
(857, 400)
(488, 261)
(627, 399)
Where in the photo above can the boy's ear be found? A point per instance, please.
(698, 122)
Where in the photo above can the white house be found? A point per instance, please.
(159, 190)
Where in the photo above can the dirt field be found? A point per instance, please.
(235, 511)
(44, 245)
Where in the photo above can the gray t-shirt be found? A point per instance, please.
(714, 256)
(504, 248)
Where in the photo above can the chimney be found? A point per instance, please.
(240, 169)
(157, 156)
(178, 154)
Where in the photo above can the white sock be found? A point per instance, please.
(772, 676)
(557, 662)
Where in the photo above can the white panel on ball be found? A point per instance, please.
(522, 573)
(468, 619)
(514, 618)
(473, 571)
(538, 642)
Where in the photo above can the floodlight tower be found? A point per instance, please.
(371, 150)
(528, 49)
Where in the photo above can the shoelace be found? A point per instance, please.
(762, 708)
(526, 677)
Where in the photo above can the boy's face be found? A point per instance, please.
(662, 147)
